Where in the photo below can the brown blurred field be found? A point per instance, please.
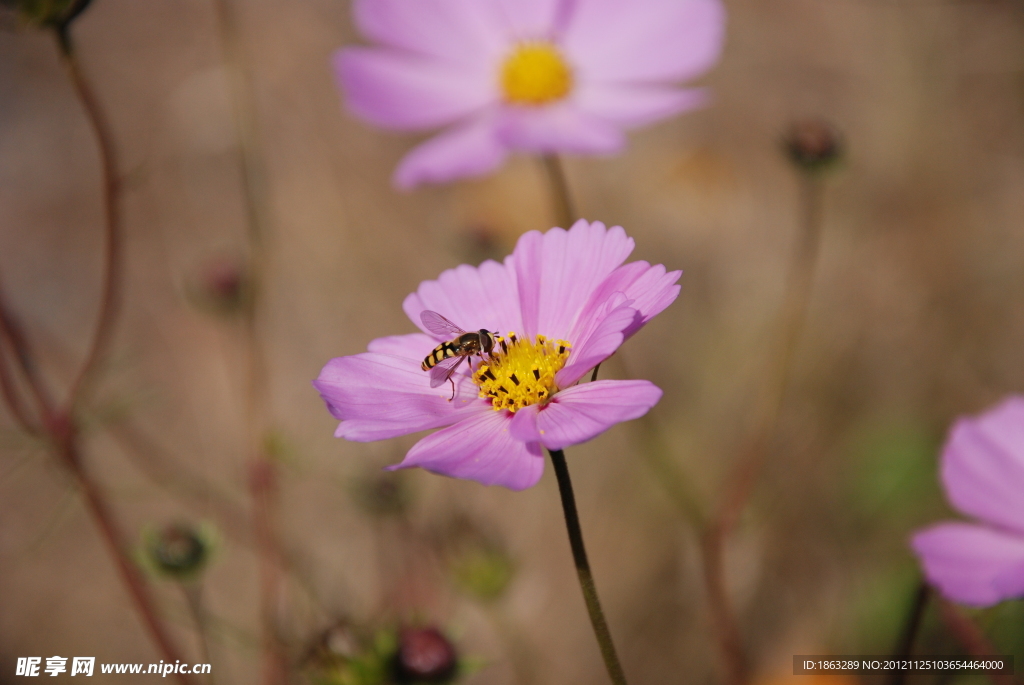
(916, 317)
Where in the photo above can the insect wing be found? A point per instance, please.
(440, 326)
(443, 370)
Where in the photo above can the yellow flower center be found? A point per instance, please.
(535, 74)
(519, 373)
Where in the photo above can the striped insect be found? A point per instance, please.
(446, 357)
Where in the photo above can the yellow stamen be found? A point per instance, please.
(535, 74)
(519, 373)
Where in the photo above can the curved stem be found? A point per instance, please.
(114, 537)
(579, 556)
(110, 299)
(60, 422)
(57, 422)
(12, 333)
(565, 208)
(12, 398)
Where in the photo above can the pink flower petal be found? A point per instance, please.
(645, 40)
(648, 288)
(983, 465)
(459, 30)
(599, 340)
(378, 396)
(471, 298)
(558, 271)
(582, 412)
(561, 127)
(463, 151)
(653, 291)
(409, 93)
(479, 448)
(414, 347)
(972, 564)
(636, 105)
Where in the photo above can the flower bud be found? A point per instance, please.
(424, 656)
(178, 550)
(221, 286)
(813, 144)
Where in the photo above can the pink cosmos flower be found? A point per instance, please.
(981, 564)
(539, 76)
(562, 302)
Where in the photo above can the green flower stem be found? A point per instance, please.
(579, 555)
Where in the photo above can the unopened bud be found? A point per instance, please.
(813, 144)
(424, 656)
(221, 286)
(178, 550)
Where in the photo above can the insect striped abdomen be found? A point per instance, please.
(441, 352)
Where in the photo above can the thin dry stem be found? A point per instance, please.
(565, 208)
(262, 472)
(743, 478)
(110, 295)
(792, 318)
(59, 423)
(115, 540)
(8, 388)
(12, 333)
(194, 599)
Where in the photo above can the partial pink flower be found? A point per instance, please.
(539, 76)
(982, 563)
(562, 303)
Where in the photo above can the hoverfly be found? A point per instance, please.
(446, 357)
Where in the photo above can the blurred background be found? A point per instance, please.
(915, 318)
